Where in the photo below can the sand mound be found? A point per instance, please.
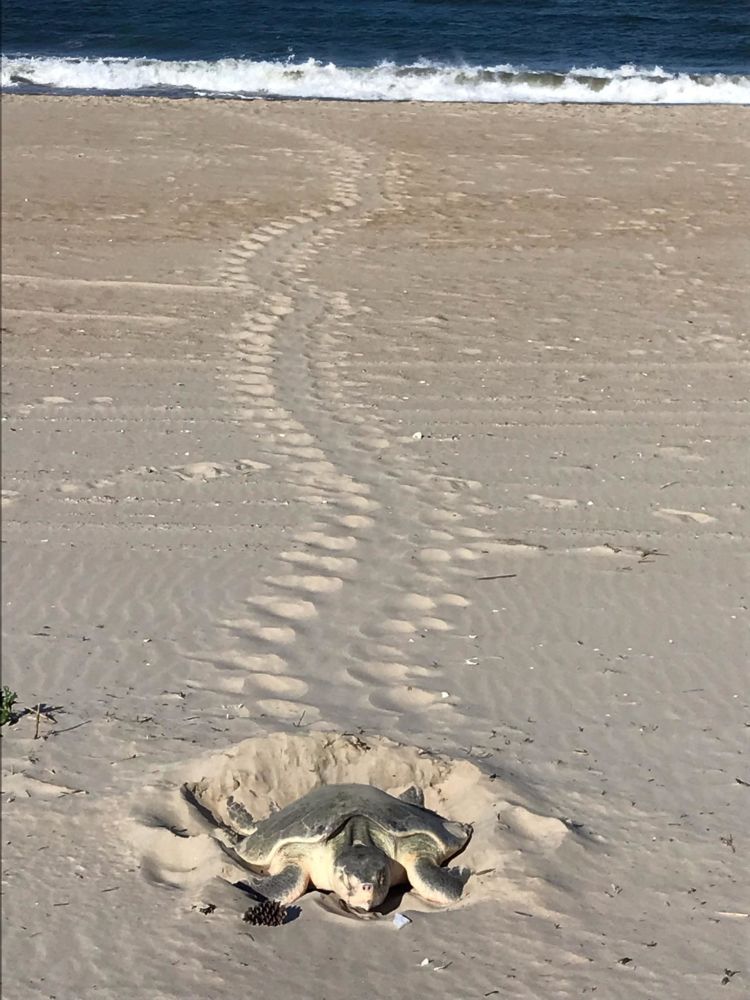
(179, 842)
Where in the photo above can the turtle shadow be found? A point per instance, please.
(393, 900)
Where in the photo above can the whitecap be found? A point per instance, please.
(387, 81)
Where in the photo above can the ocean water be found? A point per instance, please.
(628, 51)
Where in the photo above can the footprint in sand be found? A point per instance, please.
(507, 546)
(395, 626)
(55, 400)
(285, 688)
(545, 833)
(200, 471)
(402, 700)
(307, 584)
(331, 564)
(414, 602)
(206, 471)
(433, 556)
(282, 634)
(453, 600)
(680, 452)
(244, 663)
(456, 485)
(328, 542)
(272, 693)
(222, 685)
(196, 472)
(697, 516)
(432, 624)
(553, 503)
(405, 626)
(355, 521)
(385, 672)
(287, 711)
(281, 607)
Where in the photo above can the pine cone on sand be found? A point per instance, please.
(269, 913)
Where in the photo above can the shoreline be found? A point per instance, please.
(488, 107)
(367, 102)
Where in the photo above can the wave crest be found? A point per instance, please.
(422, 81)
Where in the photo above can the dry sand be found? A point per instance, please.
(423, 424)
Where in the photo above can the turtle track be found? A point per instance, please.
(378, 513)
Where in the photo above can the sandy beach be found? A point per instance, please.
(391, 443)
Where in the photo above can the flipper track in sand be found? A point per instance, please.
(285, 375)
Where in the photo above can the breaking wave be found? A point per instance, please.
(421, 81)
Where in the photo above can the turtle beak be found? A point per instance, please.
(364, 898)
(367, 890)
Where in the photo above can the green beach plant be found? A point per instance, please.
(7, 701)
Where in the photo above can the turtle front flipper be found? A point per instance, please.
(240, 818)
(285, 887)
(433, 883)
(413, 795)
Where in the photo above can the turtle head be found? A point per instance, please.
(362, 876)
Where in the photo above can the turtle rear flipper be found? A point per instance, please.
(240, 818)
(433, 883)
(413, 795)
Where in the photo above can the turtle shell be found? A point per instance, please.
(321, 814)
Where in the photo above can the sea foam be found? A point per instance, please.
(421, 81)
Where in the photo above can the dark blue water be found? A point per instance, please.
(697, 37)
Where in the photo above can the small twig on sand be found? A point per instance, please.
(38, 720)
(645, 553)
(729, 842)
(500, 576)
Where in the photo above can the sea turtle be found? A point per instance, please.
(354, 840)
